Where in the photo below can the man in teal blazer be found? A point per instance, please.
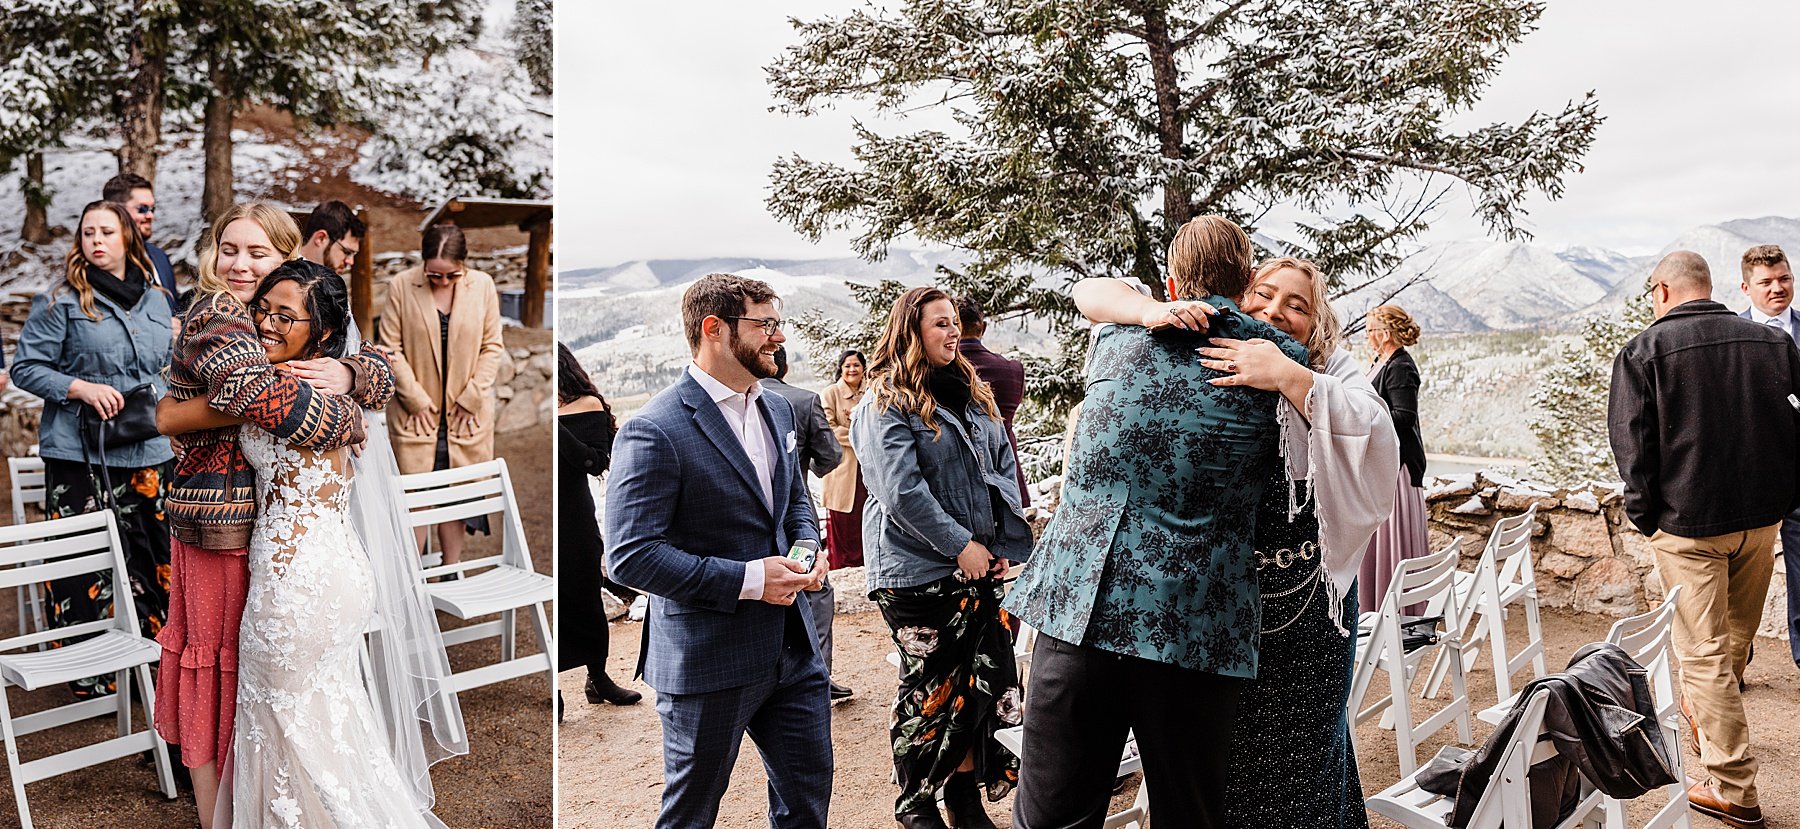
(1144, 586)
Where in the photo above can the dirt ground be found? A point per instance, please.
(505, 780)
(611, 759)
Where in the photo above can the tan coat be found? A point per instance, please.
(409, 327)
(840, 485)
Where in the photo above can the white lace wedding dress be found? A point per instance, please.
(308, 750)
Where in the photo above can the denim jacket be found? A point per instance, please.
(123, 349)
(928, 495)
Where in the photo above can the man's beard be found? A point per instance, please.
(753, 360)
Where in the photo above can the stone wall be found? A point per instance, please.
(1588, 557)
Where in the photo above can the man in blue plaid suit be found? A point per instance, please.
(707, 496)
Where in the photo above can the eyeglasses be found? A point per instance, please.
(770, 325)
(283, 322)
(144, 209)
(350, 252)
(444, 277)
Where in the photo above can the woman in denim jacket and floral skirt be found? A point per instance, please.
(941, 525)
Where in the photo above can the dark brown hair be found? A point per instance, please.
(721, 295)
(443, 241)
(1210, 255)
(119, 187)
(899, 369)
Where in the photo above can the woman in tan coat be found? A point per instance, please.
(844, 492)
(442, 322)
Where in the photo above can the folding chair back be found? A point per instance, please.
(1649, 639)
(506, 584)
(39, 552)
(1503, 577)
(27, 476)
(1506, 801)
(1429, 580)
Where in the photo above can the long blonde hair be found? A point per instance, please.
(1327, 329)
(75, 265)
(275, 223)
(899, 368)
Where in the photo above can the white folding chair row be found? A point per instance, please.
(1649, 639)
(1504, 576)
(1427, 580)
(507, 582)
(1506, 801)
(1135, 815)
(27, 478)
(62, 548)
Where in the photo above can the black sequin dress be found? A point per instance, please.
(1292, 763)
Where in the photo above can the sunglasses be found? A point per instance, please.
(144, 209)
(444, 277)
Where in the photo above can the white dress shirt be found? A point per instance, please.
(745, 418)
(1783, 322)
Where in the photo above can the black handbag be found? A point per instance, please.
(135, 423)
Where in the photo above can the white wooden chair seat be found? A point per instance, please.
(107, 653)
(501, 588)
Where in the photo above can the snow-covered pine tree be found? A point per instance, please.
(1087, 131)
(534, 38)
(1570, 399)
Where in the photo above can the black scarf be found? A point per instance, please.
(124, 293)
(951, 391)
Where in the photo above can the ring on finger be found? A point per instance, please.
(1231, 366)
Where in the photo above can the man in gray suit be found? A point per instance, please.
(820, 453)
(705, 502)
(1769, 282)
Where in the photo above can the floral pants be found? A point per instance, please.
(70, 489)
(958, 685)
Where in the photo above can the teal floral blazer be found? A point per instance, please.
(1150, 553)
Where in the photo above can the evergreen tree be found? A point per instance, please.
(1570, 399)
(534, 39)
(1087, 131)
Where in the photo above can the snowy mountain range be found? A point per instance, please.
(625, 320)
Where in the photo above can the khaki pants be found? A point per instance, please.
(1724, 580)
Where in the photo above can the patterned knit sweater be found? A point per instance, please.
(212, 501)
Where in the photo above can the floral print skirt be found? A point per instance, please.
(71, 489)
(958, 685)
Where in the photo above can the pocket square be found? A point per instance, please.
(791, 441)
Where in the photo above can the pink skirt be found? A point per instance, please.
(1404, 535)
(196, 684)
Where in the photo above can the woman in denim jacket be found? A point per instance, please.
(103, 331)
(941, 526)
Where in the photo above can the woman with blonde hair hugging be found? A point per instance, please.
(218, 354)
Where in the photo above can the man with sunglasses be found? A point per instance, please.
(134, 191)
(708, 513)
(333, 237)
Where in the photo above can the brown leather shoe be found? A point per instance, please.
(1687, 713)
(1707, 802)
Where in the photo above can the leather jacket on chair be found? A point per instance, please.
(1602, 718)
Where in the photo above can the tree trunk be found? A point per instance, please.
(221, 107)
(1178, 204)
(37, 198)
(141, 110)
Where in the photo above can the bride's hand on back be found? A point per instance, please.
(1258, 363)
(325, 374)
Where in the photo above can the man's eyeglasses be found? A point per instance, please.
(349, 252)
(770, 325)
(283, 322)
(452, 276)
(144, 209)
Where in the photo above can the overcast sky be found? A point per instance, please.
(664, 138)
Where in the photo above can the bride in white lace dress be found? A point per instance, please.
(309, 749)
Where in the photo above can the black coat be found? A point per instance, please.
(1602, 718)
(1398, 383)
(1701, 426)
(584, 449)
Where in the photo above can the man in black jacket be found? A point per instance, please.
(1703, 422)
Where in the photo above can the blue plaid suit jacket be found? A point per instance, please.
(684, 512)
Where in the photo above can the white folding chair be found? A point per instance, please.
(66, 547)
(1135, 815)
(1503, 577)
(1649, 638)
(507, 583)
(1428, 580)
(1505, 803)
(27, 476)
